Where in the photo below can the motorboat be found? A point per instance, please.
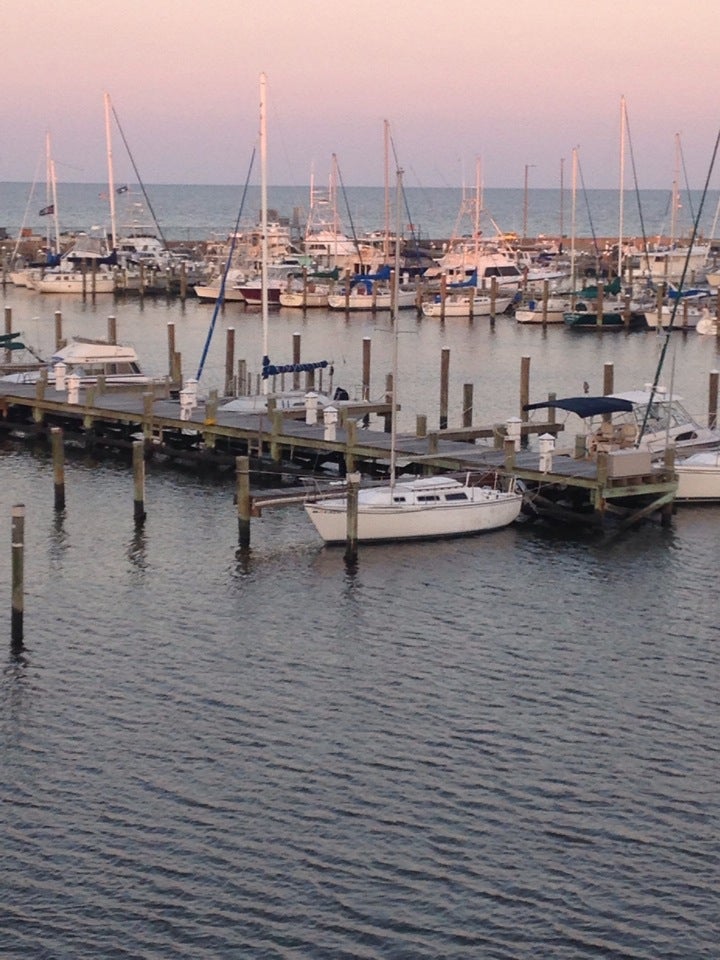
(553, 310)
(418, 509)
(88, 359)
(75, 281)
(278, 275)
(699, 476)
(653, 421)
(211, 290)
(366, 295)
(465, 305)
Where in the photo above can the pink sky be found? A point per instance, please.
(515, 82)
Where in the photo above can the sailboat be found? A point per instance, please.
(417, 509)
(285, 400)
(27, 276)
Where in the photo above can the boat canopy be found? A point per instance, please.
(584, 406)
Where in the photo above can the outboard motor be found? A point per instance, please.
(341, 394)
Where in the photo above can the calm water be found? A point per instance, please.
(504, 746)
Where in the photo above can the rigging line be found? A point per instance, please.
(685, 177)
(350, 219)
(137, 174)
(406, 205)
(668, 329)
(646, 251)
(587, 207)
(221, 293)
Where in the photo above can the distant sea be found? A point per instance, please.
(192, 212)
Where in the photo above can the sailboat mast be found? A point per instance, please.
(386, 238)
(263, 224)
(111, 176)
(675, 202)
(395, 323)
(56, 216)
(621, 227)
(51, 195)
(478, 205)
(573, 216)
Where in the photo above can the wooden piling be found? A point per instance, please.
(608, 378)
(242, 379)
(229, 360)
(467, 410)
(171, 351)
(713, 399)
(524, 386)
(545, 295)
(389, 398)
(351, 541)
(493, 297)
(112, 330)
(17, 537)
(366, 345)
(8, 330)
(58, 329)
(58, 459)
(444, 386)
(138, 459)
(296, 360)
(242, 474)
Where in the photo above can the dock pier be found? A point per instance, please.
(560, 485)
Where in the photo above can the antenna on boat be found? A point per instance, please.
(669, 327)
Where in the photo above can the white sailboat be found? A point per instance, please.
(284, 400)
(423, 508)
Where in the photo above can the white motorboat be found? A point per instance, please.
(653, 421)
(552, 312)
(707, 325)
(464, 305)
(428, 507)
(365, 295)
(699, 477)
(211, 290)
(75, 281)
(89, 359)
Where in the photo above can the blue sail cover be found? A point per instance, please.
(270, 369)
(470, 282)
(584, 406)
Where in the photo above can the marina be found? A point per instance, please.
(488, 745)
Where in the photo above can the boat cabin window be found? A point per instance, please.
(427, 497)
(399, 500)
(456, 496)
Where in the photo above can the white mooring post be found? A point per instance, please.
(546, 445)
(60, 371)
(73, 388)
(330, 419)
(513, 426)
(311, 408)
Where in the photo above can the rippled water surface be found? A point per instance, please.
(503, 746)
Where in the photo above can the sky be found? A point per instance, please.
(508, 87)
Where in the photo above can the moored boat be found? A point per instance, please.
(424, 508)
(466, 305)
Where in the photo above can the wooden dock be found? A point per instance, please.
(561, 486)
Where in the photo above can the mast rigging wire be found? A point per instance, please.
(221, 294)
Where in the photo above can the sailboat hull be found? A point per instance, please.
(430, 508)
